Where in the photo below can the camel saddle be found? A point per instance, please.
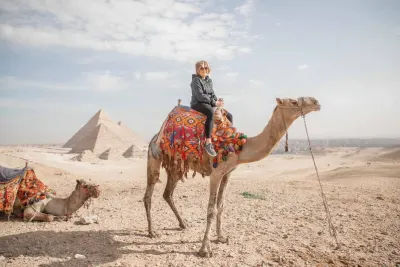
(184, 135)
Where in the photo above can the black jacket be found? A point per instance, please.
(202, 91)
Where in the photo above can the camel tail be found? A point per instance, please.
(154, 147)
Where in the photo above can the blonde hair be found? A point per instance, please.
(202, 63)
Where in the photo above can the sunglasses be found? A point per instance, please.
(203, 68)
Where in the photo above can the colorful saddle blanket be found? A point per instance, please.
(184, 135)
(24, 185)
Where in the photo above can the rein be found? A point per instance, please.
(284, 123)
(332, 230)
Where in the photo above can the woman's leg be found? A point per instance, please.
(208, 111)
(229, 117)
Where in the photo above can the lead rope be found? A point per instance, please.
(332, 230)
(287, 135)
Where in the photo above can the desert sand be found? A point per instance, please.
(274, 215)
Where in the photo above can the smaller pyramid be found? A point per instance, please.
(131, 152)
(110, 154)
(86, 155)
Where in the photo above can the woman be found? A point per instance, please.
(204, 100)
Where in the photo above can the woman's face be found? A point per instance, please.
(203, 71)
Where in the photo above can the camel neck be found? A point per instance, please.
(261, 145)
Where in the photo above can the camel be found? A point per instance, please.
(256, 148)
(60, 208)
(48, 207)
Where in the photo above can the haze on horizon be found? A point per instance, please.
(63, 61)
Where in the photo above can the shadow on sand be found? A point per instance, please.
(99, 247)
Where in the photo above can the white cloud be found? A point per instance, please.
(302, 67)
(10, 82)
(256, 82)
(137, 75)
(152, 76)
(166, 29)
(89, 81)
(232, 74)
(246, 8)
(245, 50)
(105, 82)
(222, 68)
(42, 103)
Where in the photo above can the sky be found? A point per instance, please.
(62, 61)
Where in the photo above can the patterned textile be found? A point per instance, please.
(8, 193)
(184, 135)
(27, 187)
(32, 190)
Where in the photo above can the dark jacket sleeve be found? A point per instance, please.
(197, 90)
(214, 97)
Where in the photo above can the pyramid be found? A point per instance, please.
(99, 117)
(98, 140)
(100, 133)
(110, 154)
(132, 151)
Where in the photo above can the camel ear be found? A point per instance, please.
(279, 101)
(78, 181)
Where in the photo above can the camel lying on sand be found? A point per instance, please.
(33, 201)
(256, 148)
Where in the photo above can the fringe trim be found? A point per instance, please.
(178, 165)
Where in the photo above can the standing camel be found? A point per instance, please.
(256, 148)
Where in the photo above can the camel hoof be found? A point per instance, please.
(153, 234)
(184, 225)
(49, 218)
(223, 240)
(205, 254)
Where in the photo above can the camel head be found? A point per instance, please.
(89, 189)
(220, 114)
(296, 107)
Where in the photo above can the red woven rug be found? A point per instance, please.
(27, 187)
(183, 135)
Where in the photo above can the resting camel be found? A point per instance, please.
(256, 148)
(48, 205)
(62, 208)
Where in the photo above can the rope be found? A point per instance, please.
(332, 230)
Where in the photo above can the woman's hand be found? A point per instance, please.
(220, 102)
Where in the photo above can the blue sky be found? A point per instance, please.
(61, 61)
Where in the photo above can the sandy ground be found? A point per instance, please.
(284, 225)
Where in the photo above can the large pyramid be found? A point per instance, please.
(100, 133)
(99, 117)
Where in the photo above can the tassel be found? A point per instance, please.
(286, 143)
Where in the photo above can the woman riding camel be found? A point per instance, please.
(204, 100)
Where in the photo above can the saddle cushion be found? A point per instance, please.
(32, 190)
(8, 174)
(184, 135)
(26, 186)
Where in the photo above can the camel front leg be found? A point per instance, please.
(205, 250)
(34, 213)
(220, 208)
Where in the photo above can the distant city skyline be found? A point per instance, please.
(62, 61)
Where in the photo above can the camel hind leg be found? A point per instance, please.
(153, 176)
(168, 196)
